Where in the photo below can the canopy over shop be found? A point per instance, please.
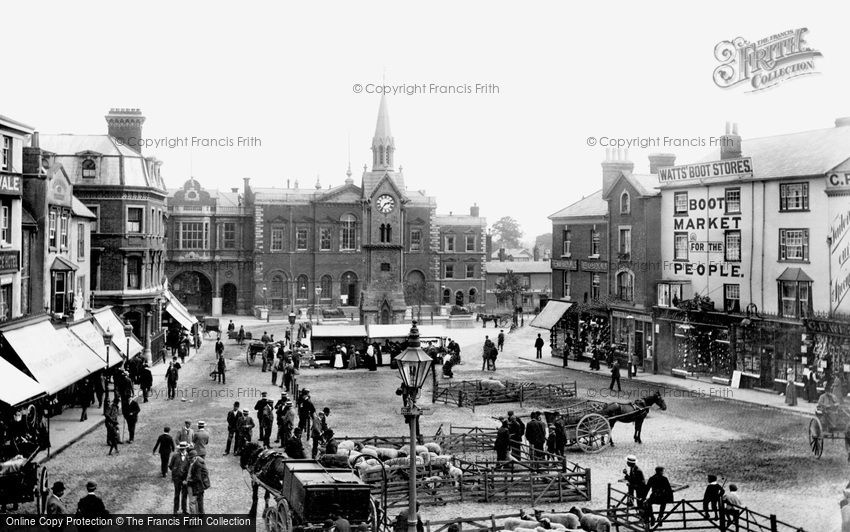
(551, 318)
(106, 319)
(325, 337)
(178, 312)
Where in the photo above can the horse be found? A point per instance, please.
(634, 412)
(497, 319)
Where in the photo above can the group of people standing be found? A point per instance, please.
(546, 431)
(184, 455)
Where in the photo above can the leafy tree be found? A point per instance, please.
(543, 242)
(508, 288)
(507, 231)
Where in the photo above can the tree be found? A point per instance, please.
(507, 232)
(543, 241)
(416, 293)
(508, 288)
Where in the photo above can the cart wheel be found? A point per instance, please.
(591, 433)
(816, 437)
(373, 516)
(31, 416)
(42, 490)
(284, 517)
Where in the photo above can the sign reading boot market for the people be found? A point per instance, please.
(715, 169)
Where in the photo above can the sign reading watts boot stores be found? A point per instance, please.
(691, 172)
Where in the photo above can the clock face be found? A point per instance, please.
(385, 203)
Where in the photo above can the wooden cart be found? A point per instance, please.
(829, 423)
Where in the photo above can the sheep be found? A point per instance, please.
(514, 523)
(421, 449)
(434, 448)
(567, 520)
(592, 522)
(352, 456)
(346, 444)
(385, 453)
(369, 451)
(454, 473)
(441, 460)
(490, 384)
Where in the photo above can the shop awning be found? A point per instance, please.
(107, 320)
(17, 387)
(339, 331)
(177, 311)
(551, 314)
(90, 335)
(47, 357)
(61, 264)
(83, 353)
(402, 330)
(794, 274)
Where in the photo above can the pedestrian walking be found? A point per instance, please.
(186, 434)
(615, 376)
(500, 340)
(219, 347)
(231, 327)
(790, 388)
(232, 426)
(165, 445)
(240, 336)
(221, 369)
(131, 416)
(635, 480)
(246, 429)
(317, 434)
(535, 433)
(659, 492)
(54, 504)
(172, 374)
(145, 381)
(810, 388)
(198, 481)
(84, 396)
(538, 345)
(275, 362)
(503, 441)
(91, 505)
(112, 434)
(201, 439)
(288, 378)
(486, 352)
(99, 387)
(265, 417)
(179, 466)
(306, 410)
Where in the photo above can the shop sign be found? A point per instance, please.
(831, 328)
(705, 247)
(838, 181)
(59, 194)
(10, 184)
(706, 223)
(9, 261)
(716, 169)
(839, 257)
(565, 264)
(594, 266)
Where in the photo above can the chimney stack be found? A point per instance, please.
(234, 190)
(730, 143)
(125, 125)
(616, 162)
(473, 211)
(501, 254)
(660, 160)
(488, 246)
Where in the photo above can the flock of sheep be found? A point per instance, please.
(573, 521)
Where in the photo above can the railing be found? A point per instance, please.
(476, 392)
(625, 514)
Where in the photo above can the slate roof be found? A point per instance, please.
(459, 219)
(498, 268)
(592, 205)
(645, 184)
(807, 153)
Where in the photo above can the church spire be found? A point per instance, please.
(383, 145)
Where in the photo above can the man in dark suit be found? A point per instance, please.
(636, 481)
(538, 346)
(712, 497)
(535, 433)
(179, 466)
(660, 492)
(55, 505)
(165, 445)
(615, 376)
(201, 439)
(91, 506)
(131, 415)
(145, 381)
(232, 426)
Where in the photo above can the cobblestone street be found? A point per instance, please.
(762, 450)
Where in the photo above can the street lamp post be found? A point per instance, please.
(631, 345)
(413, 367)
(266, 304)
(107, 340)
(317, 302)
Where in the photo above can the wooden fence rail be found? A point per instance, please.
(689, 515)
(470, 394)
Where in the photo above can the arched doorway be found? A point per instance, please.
(194, 290)
(278, 291)
(326, 286)
(473, 296)
(228, 298)
(386, 313)
(349, 287)
(447, 296)
(459, 298)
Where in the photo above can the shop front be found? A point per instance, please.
(631, 334)
(826, 346)
(552, 319)
(695, 342)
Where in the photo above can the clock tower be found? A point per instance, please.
(384, 215)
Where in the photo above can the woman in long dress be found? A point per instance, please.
(790, 389)
(338, 358)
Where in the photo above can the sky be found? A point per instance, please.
(285, 73)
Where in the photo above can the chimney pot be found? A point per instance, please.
(735, 128)
(234, 189)
(34, 140)
(660, 160)
(728, 128)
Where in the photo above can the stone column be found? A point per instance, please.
(147, 353)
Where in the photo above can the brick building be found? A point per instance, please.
(209, 262)
(124, 189)
(374, 248)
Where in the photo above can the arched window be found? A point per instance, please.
(327, 287)
(89, 168)
(383, 232)
(348, 232)
(625, 203)
(625, 286)
(277, 285)
(447, 296)
(389, 233)
(278, 291)
(301, 287)
(473, 294)
(349, 288)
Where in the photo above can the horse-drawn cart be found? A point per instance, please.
(306, 494)
(22, 480)
(831, 422)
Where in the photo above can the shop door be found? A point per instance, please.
(639, 347)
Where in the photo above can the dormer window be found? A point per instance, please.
(89, 168)
(625, 203)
